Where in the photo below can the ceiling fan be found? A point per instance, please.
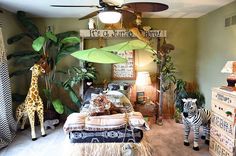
(110, 13)
(127, 10)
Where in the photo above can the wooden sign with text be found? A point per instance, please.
(120, 33)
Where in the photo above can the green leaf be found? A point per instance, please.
(48, 94)
(19, 72)
(61, 55)
(73, 40)
(16, 38)
(65, 51)
(63, 35)
(77, 70)
(38, 43)
(90, 75)
(20, 54)
(31, 28)
(73, 97)
(57, 104)
(51, 36)
(28, 58)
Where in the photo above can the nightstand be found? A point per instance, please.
(147, 109)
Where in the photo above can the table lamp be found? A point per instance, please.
(142, 81)
(230, 67)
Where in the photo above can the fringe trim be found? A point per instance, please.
(108, 149)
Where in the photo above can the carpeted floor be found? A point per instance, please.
(166, 140)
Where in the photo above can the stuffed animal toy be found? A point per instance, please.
(51, 123)
(33, 104)
(194, 117)
(102, 106)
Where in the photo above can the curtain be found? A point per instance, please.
(7, 122)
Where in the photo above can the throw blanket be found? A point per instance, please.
(120, 135)
(80, 121)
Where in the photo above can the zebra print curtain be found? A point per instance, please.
(7, 122)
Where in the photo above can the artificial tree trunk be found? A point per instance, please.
(159, 121)
(166, 72)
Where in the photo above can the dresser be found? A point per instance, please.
(223, 121)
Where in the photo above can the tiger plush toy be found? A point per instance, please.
(194, 117)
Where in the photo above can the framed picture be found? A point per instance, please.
(124, 71)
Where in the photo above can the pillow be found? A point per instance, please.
(122, 87)
(113, 86)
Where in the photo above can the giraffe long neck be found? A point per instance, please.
(34, 82)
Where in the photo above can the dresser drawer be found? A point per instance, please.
(216, 149)
(224, 139)
(223, 96)
(226, 111)
(223, 124)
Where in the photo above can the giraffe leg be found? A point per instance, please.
(23, 123)
(19, 114)
(41, 118)
(31, 119)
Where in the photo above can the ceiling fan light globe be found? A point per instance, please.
(109, 17)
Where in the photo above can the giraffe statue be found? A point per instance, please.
(33, 103)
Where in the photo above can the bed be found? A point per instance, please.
(118, 134)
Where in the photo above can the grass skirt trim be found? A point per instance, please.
(108, 149)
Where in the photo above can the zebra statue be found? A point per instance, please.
(194, 117)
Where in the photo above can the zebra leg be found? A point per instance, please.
(196, 137)
(186, 134)
(206, 130)
(203, 137)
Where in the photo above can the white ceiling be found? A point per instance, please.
(177, 8)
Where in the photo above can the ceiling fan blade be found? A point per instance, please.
(90, 15)
(128, 18)
(145, 6)
(74, 6)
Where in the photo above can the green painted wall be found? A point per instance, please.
(216, 45)
(182, 33)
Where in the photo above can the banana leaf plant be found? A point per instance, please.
(48, 50)
(24, 57)
(74, 76)
(53, 48)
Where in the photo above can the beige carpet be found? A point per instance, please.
(166, 140)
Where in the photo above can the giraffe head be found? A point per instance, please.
(37, 70)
